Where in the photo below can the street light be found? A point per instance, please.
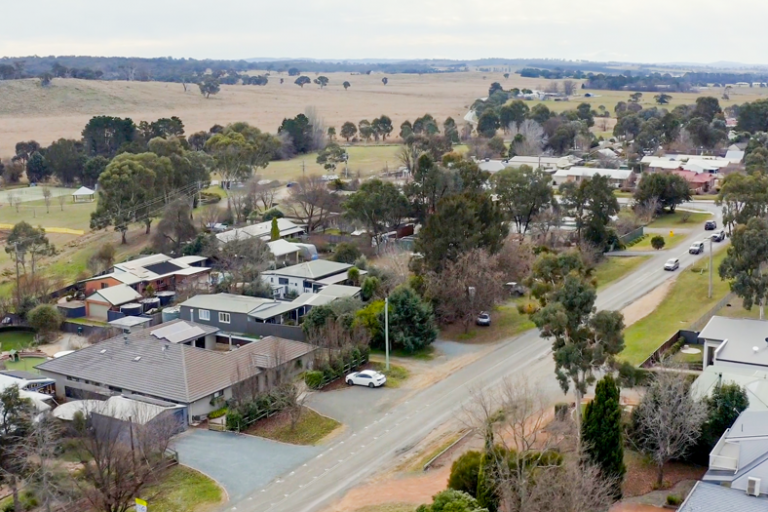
(710, 266)
(386, 331)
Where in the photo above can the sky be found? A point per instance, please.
(648, 31)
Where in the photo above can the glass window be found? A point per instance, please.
(224, 318)
(283, 280)
(203, 314)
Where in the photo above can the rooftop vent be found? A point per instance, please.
(103, 351)
(137, 358)
(755, 349)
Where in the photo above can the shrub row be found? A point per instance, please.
(325, 372)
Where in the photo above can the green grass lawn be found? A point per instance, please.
(366, 160)
(506, 321)
(736, 309)
(395, 376)
(614, 268)
(26, 364)
(645, 243)
(679, 219)
(686, 302)
(15, 340)
(183, 489)
(72, 216)
(705, 197)
(310, 429)
(425, 354)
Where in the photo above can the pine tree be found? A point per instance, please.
(275, 235)
(602, 434)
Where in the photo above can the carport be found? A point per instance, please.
(240, 463)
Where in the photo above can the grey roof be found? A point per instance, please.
(340, 290)
(130, 321)
(179, 373)
(227, 302)
(743, 336)
(749, 424)
(116, 295)
(181, 331)
(315, 269)
(589, 172)
(707, 497)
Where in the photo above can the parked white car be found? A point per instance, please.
(672, 264)
(370, 378)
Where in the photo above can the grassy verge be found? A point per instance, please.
(705, 197)
(395, 376)
(15, 340)
(87, 321)
(184, 488)
(435, 452)
(310, 429)
(614, 268)
(685, 303)
(26, 364)
(679, 219)
(506, 321)
(424, 354)
(645, 243)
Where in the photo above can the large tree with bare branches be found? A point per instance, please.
(310, 201)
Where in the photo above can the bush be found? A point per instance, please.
(313, 379)
(464, 473)
(674, 500)
(561, 411)
(274, 213)
(45, 319)
(346, 253)
(218, 413)
(234, 420)
(209, 198)
(657, 242)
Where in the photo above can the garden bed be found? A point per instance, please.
(311, 428)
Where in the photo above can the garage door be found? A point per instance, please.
(98, 311)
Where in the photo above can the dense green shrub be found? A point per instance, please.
(274, 213)
(313, 379)
(346, 252)
(218, 413)
(465, 471)
(674, 500)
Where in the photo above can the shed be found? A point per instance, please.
(83, 195)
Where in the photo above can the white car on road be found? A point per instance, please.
(370, 378)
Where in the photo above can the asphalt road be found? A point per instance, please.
(369, 448)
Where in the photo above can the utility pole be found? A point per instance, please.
(18, 288)
(386, 331)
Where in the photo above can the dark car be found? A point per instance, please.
(719, 236)
(710, 225)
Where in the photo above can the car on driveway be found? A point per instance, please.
(710, 225)
(370, 378)
(672, 264)
(719, 236)
(483, 319)
(515, 289)
(696, 248)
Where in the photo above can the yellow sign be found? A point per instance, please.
(671, 233)
(141, 505)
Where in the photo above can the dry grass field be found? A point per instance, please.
(31, 112)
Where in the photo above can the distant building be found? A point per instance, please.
(616, 177)
(262, 230)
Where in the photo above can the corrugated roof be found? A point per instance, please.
(282, 247)
(715, 498)
(316, 269)
(179, 373)
(116, 295)
(260, 230)
(181, 331)
(227, 302)
(616, 174)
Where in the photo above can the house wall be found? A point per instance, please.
(203, 407)
(96, 312)
(238, 321)
(96, 285)
(761, 472)
(293, 284)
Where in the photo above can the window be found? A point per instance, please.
(224, 318)
(203, 314)
(282, 280)
(104, 285)
(218, 394)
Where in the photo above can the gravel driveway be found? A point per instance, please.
(240, 463)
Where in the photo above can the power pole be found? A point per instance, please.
(18, 288)
(386, 331)
(710, 268)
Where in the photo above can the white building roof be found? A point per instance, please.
(589, 172)
(742, 340)
(280, 248)
(116, 407)
(116, 295)
(544, 161)
(83, 191)
(316, 269)
(261, 230)
(755, 382)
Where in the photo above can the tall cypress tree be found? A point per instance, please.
(601, 432)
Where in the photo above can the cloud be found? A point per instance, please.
(649, 31)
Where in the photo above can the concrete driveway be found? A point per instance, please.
(242, 464)
(355, 406)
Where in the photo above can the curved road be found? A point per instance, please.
(362, 453)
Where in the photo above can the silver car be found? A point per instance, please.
(483, 319)
(672, 264)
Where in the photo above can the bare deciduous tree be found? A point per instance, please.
(62, 201)
(569, 87)
(310, 201)
(576, 486)
(47, 198)
(238, 200)
(209, 216)
(668, 420)
(532, 135)
(263, 193)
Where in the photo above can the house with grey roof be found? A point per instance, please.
(707, 497)
(308, 277)
(739, 343)
(176, 365)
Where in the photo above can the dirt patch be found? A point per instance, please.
(641, 476)
(646, 304)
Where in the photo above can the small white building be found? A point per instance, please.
(308, 277)
(616, 177)
(83, 195)
(735, 343)
(262, 230)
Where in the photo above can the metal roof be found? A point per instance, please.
(130, 321)
(282, 247)
(316, 269)
(181, 331)
(743, 337)
(615, 174)
(260, 230)
(227, 302)
(116, 295)
(707, 497)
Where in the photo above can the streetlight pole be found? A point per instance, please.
(386, 331)
(710, 267)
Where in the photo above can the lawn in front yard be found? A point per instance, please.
(506, 321)
(685, 303)
(182, 489)
(613, 268)
(645, 243)
(736, 309)
(15, 340)
(680, 219)
(395, 375)
(310, 429)
(25, 364)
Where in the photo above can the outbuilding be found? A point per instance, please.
(83, 195)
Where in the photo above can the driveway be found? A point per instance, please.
(242, 464)
(355, 406)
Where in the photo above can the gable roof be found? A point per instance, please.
(227, 302)
(742, 336)
(83, 191)
(315, 269)
(714, 498)
(116, 295)
(589, 172)
(176, 372)
(261, 230)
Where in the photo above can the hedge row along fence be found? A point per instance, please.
(337, 367)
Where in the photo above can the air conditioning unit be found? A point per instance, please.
(753, 486)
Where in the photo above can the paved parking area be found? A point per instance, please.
(355, 406)
(240, 463)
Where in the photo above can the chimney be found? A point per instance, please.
(125, 338)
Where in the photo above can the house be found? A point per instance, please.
(83, 195)
(148, 365)
(754, 382)
(308, 277)
(492, 166)
(616, 177)
(544, 162)
(739, 460)
(735, 343)
(100, 302)
(700, 182)
(162, 272)
(262, 230)
(735, 154)
(35, 389)
(707, 497)
(135, 410)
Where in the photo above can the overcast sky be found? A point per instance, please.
(635, 31)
